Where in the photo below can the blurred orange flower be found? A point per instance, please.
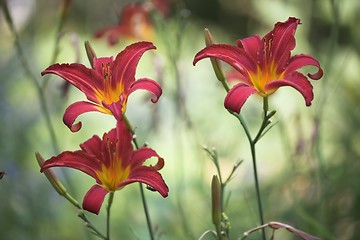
(134, 23)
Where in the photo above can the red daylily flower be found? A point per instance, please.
(134, 23)
(113, 163)
(108, 85)
(264, 65)
(162, 6)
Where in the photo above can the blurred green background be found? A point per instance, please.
(308, 163)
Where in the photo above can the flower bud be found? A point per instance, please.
(90, 53)
(50, 175)
(65, 7)
(214, 62)
(216, 200)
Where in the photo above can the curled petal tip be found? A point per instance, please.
(148, 85)
(308, 100)
(75, 127)
(316, 76)
(154, 99)
(160, 164)
(74, 110)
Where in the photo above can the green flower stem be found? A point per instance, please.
(145, 206)
(146, 210)
(89, 225)
(45, 111)
(221, 223)
(214, 157)
(173, 41)
(71, 200)
(257, 188)
(265, 105)
(82, 215)
(328, 85)
(110, 201)
(32, 77)
(253, 155)
(39, 89)
(63, 192)
(252, 141)
(63, 15)
(222, 185)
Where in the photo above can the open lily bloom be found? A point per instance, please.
(134, 23)
(108, 85)
(264, 64)
(113, 163)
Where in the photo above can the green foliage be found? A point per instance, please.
(308, 164)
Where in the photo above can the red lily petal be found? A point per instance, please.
(116, 108)
(162, 6)
(101, 32)
(83, 78)
(77, 160)
(94, 198)
(234, 56)
(237, 96)
(141, 155)
(149, 85)
(100, 63)
(92, 146)
(113, 37)
(251, 45)
(281, 41)
(113, 32)
(149, 176)
(267, 61)
(297, 81)
(124, 148)
(76, 109)
(234, 75)
(108, 147)
(134, 22)
(301, 60)
(126, 61)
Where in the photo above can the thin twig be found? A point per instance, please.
(143, 198)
